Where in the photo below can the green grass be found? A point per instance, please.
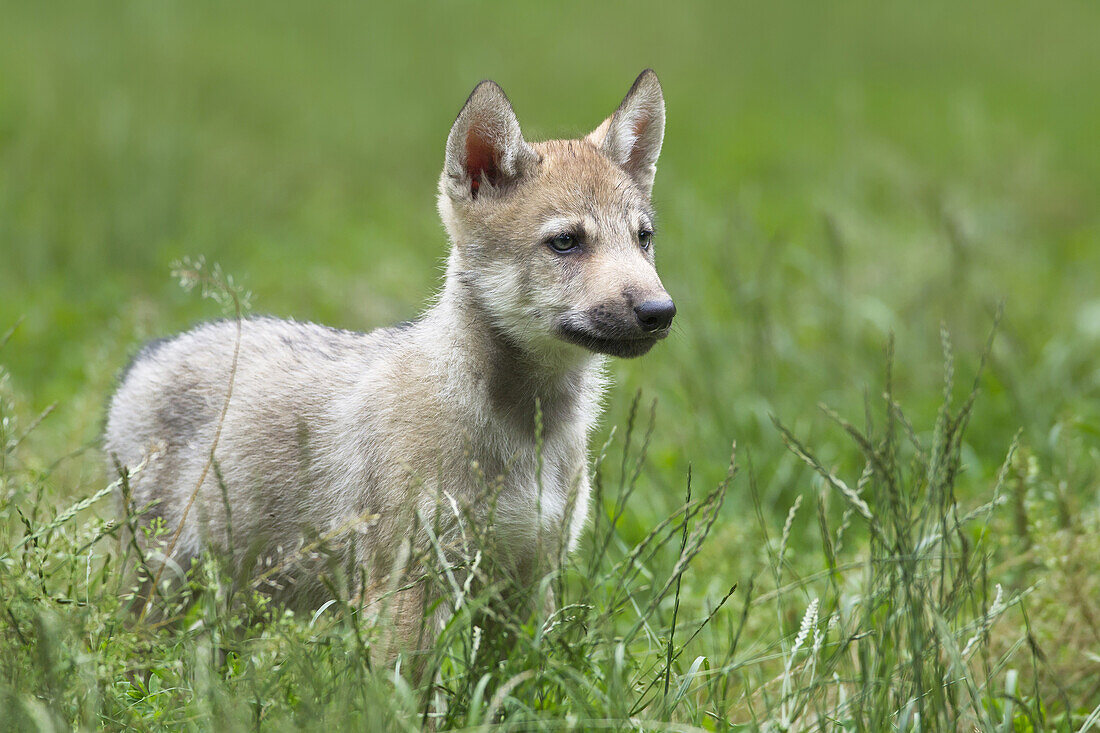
(840, 185)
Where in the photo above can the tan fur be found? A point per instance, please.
(387, 451)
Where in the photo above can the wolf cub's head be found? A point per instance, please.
(555, 240)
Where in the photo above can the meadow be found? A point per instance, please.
(857, 487)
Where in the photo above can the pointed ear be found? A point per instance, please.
(485, 148)
(632, 136)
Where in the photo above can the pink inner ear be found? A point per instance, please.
(637, 150)
(480, 160)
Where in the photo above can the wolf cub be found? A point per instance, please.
(303, 453)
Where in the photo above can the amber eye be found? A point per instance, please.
(645, 238)
(563, 243)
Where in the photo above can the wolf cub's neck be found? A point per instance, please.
(473, 359)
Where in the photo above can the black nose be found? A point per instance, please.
(654, 315)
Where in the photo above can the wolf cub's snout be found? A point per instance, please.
(390, 444)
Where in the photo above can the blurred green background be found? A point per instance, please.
(832, 173)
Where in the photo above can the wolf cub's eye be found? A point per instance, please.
(645, 238)
(563, 243)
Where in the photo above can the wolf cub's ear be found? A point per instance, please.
(485, 148)
(632, 136)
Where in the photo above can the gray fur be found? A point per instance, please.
(361, 435)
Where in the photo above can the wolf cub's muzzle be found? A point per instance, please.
(619, 331)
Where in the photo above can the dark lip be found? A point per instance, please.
(621, 347)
